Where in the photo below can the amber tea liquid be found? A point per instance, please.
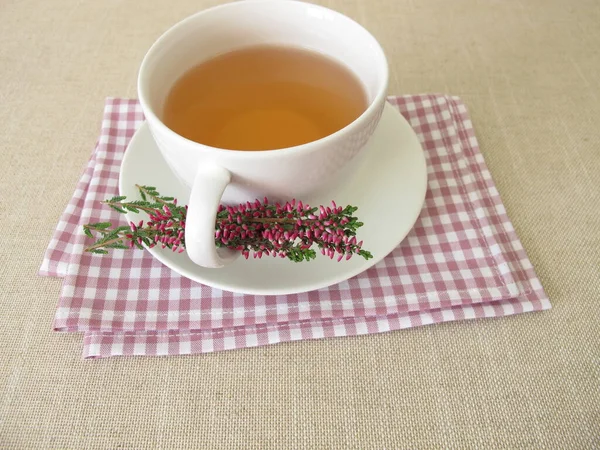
(264, 98)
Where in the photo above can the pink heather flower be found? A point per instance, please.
(302, 229)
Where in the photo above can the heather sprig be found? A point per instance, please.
(259, 228)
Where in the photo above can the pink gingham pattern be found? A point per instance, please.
(462, 260)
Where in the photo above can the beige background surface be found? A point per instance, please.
(528, 71)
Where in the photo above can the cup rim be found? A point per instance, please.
(150, 115)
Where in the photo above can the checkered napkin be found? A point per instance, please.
(462, 260)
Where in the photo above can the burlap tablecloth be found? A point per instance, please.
(528, 72)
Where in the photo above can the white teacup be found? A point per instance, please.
(226, 176)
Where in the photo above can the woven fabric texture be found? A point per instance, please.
(527, 71)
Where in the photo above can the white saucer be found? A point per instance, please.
(389, 190)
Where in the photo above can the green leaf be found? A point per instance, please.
(117, 199)
(87, 232)
(113, 234)
(117, 245)
(365, 254)
(102, 225)
(116, 208)
(99, 251)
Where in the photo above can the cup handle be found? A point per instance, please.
(209, 184)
